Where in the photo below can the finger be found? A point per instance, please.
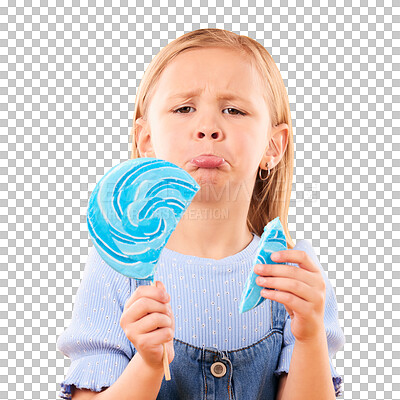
(297, 288)
(144, 306)
(282, 270)
(159, 336)
(152, 292)
(160, 285)
(152, 322)
(299, 257)
(289, 300)
(173, 320)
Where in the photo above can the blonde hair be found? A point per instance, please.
(270, 198)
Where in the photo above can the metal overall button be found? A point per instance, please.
(218, 369)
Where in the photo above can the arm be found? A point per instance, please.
(312, 334)
(109, 364)
(309, 373)
(136, 375)
(281, 386)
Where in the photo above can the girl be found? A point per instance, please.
(213, 103)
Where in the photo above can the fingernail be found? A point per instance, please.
(275, 256)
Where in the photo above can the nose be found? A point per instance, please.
(209, 133)
(209, 124)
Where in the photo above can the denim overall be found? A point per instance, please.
(246, 374)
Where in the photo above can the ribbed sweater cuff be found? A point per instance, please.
(284, 363)
(93, 372)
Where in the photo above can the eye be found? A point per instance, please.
(181, 108)
(176, 111)
(241, 113)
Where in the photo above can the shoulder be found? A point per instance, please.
(302, 244)
(306, 246)
(99, 278)
(95, 264)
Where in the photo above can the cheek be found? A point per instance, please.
(246, 144)
(169, 144)
(163, 148)
(249, 149)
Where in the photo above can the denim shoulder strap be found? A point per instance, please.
(278, 314)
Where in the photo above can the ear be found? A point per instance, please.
(143, 138)
(276, 146)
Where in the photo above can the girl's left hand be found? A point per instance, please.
(301, 290)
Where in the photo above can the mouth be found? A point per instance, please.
(207, 161)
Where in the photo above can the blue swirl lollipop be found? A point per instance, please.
(273, 239)
(133, 211)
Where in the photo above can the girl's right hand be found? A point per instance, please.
(148, 322)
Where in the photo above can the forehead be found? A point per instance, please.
(224, 72)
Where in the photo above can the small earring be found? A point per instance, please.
(260, 175)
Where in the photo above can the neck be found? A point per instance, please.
(212, 229)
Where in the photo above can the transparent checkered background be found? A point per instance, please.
(69, 75)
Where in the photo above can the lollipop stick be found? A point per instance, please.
(165, 355)
(166, 365)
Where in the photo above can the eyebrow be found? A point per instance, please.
(220, 96)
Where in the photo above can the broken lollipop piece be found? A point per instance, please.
(273, 239)
(132, 212)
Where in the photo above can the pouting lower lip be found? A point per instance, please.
(208, 161)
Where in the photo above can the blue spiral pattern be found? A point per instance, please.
(273, 239)
(133, 211)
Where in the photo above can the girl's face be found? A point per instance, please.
(210, 101)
